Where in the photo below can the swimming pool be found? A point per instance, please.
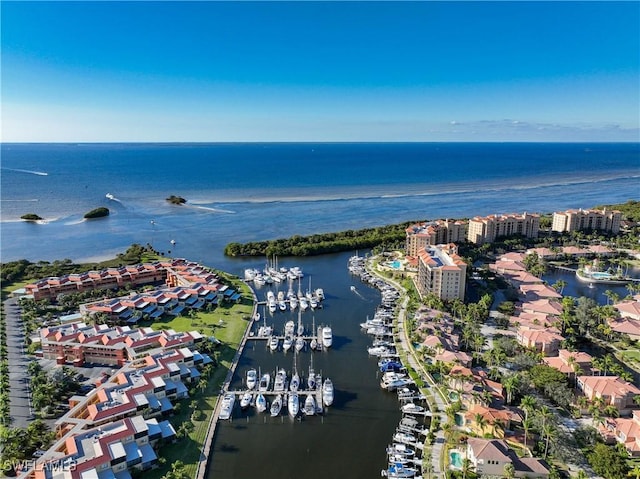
(456, 459)
(395, 264)
(600, 275)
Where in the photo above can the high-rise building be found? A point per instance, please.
(485, 229)
(441, 272)
(578, 220)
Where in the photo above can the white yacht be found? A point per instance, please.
(295, 382)
(280, 381)
(226, 409)
(327, 336)
(265, 380)
(276, 405)
(319, 294)
(293, 404)
(289, 328)
(300, 343)
(273, 343)
(309, 405)
(311, 378)
(327, 392)
(261, 403)
(304, 303)
(252, 379)
(245, 400)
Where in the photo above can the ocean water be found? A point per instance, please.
(242, 192)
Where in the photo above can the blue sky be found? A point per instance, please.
(332, 71)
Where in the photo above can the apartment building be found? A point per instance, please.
(441, 272)
(579, 220)
(485, 229)
(421, 235)
(79, 343)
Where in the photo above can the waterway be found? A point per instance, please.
(349, 440)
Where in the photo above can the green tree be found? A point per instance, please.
(607, 462)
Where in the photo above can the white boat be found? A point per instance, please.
(313, 344)
(273, 343)
(261, 403)
(109, 196)
(400, 450)
(282, 305)
(293, 303)
(404, 438)
(272, 305)
(280, 381)
(300, 342)
(245, 401)
(300, 329)
(311, 378)
(319, 294)
(412, 408)
(294, 385)
(327, 336)
(313, 302)
(252, 379)
(353, 288)
(226, 409)
(250, 274)
(304, 304)
(309, 405)
(293, 404)
(400, 471)
(287, 343)
(276, 405)
(265, 380)
(327, 392)
(289, 328)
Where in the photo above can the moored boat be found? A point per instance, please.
(327, 392)
(261, 403)
(309, 405)
(252, 379)
(245, 400)
(293, 404)
(327, 336)
(276, 406)
(226, 409)
(273, 343)
(265, 380)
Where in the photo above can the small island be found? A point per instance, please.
(97, 213)
(176, 200)
(31, 217)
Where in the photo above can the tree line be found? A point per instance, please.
(390, 236)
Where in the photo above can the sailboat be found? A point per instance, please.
(314, 341)
(245, 401)
(261, 403)
(311, 379)
(294, 385)
(276, 405)
(252, 378)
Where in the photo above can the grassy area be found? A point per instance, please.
(228, 323)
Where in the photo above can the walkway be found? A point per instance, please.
(415, 363)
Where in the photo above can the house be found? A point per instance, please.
(613, 390)
(496, 421)
(629, 309)
(543, 341)
(568, 362)
(630, 327)
(490, 456)
(626, 431)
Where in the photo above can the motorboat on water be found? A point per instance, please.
(300, 343)
(289, 328)
(327, 336)
(252, 379)
(327, 392)
(404, 438)
(319, 294)
(280, 381)
(276, 406)
(293, 404)
(226, 409)
(400, 450)
(412, 408)
(399, 471)
(245, 400)
(309, 405)
(273, 343)
(265, 380)
(304, 303)
(261, 403)
(282, 306)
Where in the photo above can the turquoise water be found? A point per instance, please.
(459, 420)
(600, 275)
(453, 396)
(456, 459)
(395, 264)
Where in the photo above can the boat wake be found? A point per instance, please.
(31, 172)
(109, 196)
(208, 208)
(32, 200)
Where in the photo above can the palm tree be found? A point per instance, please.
(527, 424)
(481, 422)
(511, 384)
(467, 467)
(635, 472)
(611, 411)
(547, 430)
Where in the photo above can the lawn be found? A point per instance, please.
(228, 323)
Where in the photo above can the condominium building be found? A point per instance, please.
(485, 229)
(578, 220)
(79, 343)
(441, 272)
(421, 235)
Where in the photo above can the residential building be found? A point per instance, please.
(570, 362)
(108, 451)
(626, 431)
(543, 341)
(421, 235)
(485, 229)
(490, 456)
(613, 390)
(441, 272)
(578, 220)
(494, 421)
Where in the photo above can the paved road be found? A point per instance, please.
(19, 393)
